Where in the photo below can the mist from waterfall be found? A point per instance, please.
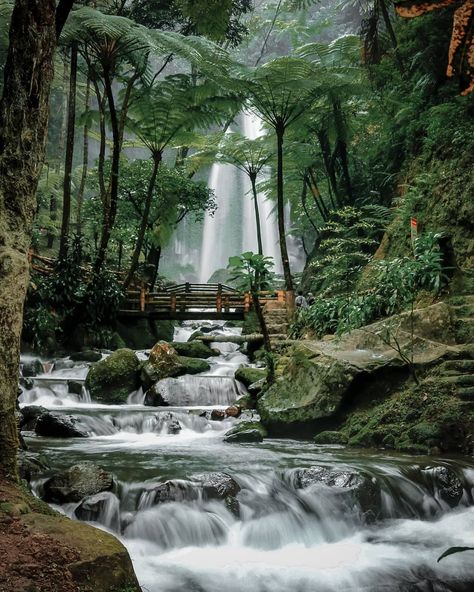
(198, 249)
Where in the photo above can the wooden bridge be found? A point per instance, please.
(193, 301)
(182, 302)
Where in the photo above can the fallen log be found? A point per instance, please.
(252, 337)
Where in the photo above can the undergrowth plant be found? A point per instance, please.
(396, 283)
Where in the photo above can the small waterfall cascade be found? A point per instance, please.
(199, 513)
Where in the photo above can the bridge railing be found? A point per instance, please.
(199, 298)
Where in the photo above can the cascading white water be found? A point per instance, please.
(220, 238)
(232, 229)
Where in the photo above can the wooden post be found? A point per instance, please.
(290, 304)
(173, 302)
(219, 298)
(187, 287)
(142, 298)
(281, 295)
(247, 302)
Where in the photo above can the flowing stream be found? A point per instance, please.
(278, 528)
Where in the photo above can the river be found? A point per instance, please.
(276, 535)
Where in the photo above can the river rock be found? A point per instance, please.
(173, 426)
(193, 349)
(77, 482)
(232, 411)
(193, 365)
(51, 425)
(113, 379)
(246, 431)
(74, 387)
(360, 490)
(446, 484)
(217, 415)
(216, 485)
(31, 464)
(102, 507)
(86, 356)
(26, 383)
(29, 416)
(63, 364)
(163, 362)
(330, 437)
(154, 397)
(245, 402)
(31, 368)
(248, 376)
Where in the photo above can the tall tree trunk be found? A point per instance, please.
(261, 321)
(144, 220)
(280, 131)
(153, 259)
(391, 34)
(70, 136)
(23, 125)
(53, 202)
(328, 165)
(85, 161)
(253, 179)
(112, 191)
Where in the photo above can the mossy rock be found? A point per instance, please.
(246, 431)
(113, 379)
(330, 437)
(193, 349)
(144, 333)
(88, 355)
(193, 365)
(248, 376)
(59, 550)
(245, 402)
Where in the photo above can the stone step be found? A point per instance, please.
(457, 366)
(459, 380)
(466, 393)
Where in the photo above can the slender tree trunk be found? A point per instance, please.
(85, 160)
(261, 320)
(70, 136)
(112, 191)
(153, 259)
(341, 150)
(328, 165)
(23, 126)
(144, 220)
(281, 211)
(253, 179)
(391, 34)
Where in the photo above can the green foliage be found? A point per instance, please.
(102, 299)
(347, 242)
(251, 272)
(396, 283)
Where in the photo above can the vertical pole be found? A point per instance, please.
(142, 298)
(173, 302)
(219, 298)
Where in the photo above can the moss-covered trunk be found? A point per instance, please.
(23, 127)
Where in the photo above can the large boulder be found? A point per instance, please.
(249, 376)
(163, 362)
(77, 482)
(309, 389)
(29, 416)
(205, 486)
(51, 425)
(193, 349)
(113, 379)
(246, 431)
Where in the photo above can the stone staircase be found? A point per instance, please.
(276, 318)
(463, 311)
(459, 374)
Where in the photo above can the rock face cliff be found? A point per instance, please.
(404, 383)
